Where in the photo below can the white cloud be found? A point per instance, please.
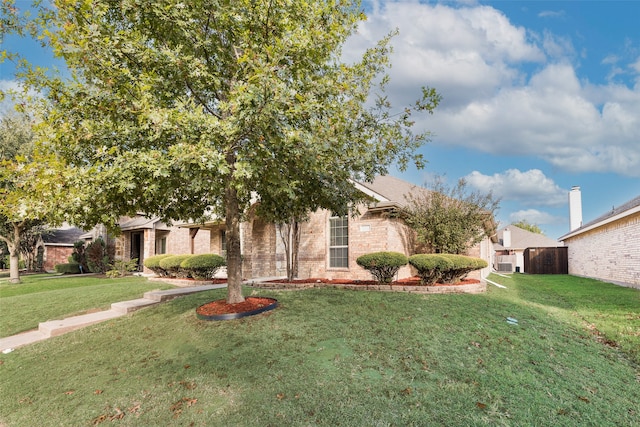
(463, 52)
(534, 216)
(532, 187)
(506, 90)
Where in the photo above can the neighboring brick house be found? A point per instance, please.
(58, 245)
(329, 246)
(608, 248)
(511, 244)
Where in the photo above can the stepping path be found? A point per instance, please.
(54, 328)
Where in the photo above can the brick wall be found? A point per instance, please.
(179, 241)
(610, 253)
(55, 255)
(370, 232)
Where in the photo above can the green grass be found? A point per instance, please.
(334, 357)
(46, 297)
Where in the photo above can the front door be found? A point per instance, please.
(137, 243)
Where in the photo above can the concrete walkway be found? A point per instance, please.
(54, 328)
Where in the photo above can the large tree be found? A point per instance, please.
(28, 187)
(187, 108)
(450, 218)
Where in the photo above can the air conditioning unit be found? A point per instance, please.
(505, 267)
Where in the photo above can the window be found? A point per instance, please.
(339, 242)
(161, 245)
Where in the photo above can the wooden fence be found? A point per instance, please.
(546, 260)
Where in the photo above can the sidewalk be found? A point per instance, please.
(54, 328)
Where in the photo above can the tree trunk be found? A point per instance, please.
(295, 247)
(290, 236)
(234, 255)
(14, 254)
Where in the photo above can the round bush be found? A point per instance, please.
(462, 265)
(171, 265)
(203, 266)
(430, 267)
(153, 264)
(382, 265)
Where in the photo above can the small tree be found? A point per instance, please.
(100, 256)
(450, 219)
(79, 255)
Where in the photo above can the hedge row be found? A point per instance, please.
(432, 268)
(69, 268)
(200, 267)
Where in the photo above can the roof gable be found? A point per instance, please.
(390, 192)
(522, 239)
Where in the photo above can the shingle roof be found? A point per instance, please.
(523, 239)
(394, 190)
(62, 236)
(630, 206)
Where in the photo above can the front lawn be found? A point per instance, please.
(336, 357)
(45, 297)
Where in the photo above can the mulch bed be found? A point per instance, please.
(218, 307)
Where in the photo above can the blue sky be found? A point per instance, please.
(538, 96)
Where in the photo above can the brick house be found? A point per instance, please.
(142, 237)
(58, 245)
(608, 248)
(329, 245)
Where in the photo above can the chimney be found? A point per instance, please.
(506, 238)
(575, 208)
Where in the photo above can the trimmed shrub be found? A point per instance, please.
(444, 268)
(153, 264)
(171, 265)
(383, 266)
(69, 268)
(462, 265)
(204, 266)
(430, 267)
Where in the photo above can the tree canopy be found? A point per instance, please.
(183, 109)
(526, 225)
(450, 219)
(28, 187)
